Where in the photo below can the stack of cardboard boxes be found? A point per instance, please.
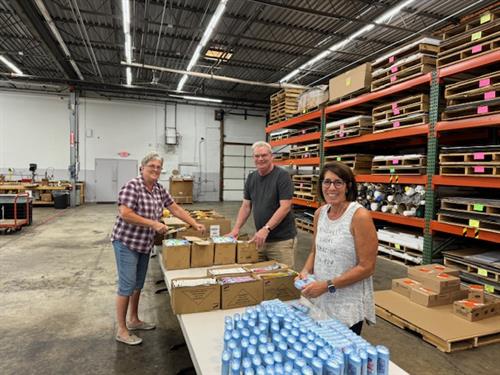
(477, 306)
(235, 286)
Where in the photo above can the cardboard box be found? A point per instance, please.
(441, 283)
(181, 187)
(225, 253)
(46, 197)
(279, 285)
(418, 273)
(193, 299)
(246, 252)
(241, 294)
(429, 298)
(476, 293)
(354, 80)
(474, 311)
(176, 257)
(202, 252)
(214, 227)
(404, 286)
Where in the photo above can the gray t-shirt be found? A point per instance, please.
(265, 193)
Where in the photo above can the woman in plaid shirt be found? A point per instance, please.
(140, 204)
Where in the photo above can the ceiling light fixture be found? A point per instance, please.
(204, 39)
(201, 99)
(382, 18)
(11, 65)
(128, 40)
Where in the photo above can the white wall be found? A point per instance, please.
(35, 129)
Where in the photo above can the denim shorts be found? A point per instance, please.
(132, 267)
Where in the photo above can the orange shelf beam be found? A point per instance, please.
(382, 179)
(299, 120)
(298, 139)
(467, 123)
(303, 202)
(469, 64)
(399, 219)
(426, 78)
(485, 182)
(304, 161)
(389, 134)
(470, 232)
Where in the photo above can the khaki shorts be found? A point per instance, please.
(282, 251)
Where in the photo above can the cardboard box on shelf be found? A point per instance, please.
(476, 293)
(474, 311)
(202, 252)
(176, 254)
(403, 286)
(246, 252)
(241, 294)
(225, 253)
(279, 285)
(193, 299)
(354, 80)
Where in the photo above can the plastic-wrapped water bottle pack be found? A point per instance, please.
(275, 338)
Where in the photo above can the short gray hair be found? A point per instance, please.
(262, 144)
(151, 156)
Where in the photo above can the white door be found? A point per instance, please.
(111, 175)
(238, 163)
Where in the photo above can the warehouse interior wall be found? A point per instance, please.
(39, 126)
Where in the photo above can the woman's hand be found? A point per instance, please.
(315, 289)
(302, 275)
(200, 227)
(160, 227)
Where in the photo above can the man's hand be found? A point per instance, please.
(260, 237)
(234, 233)
(160, 227)
(315, 289)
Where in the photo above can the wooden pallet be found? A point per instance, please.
(471, 25)
(402, 53)
(469, 220)
(473, 109)
(478, 157)
(489, 207)
(305, 196)
(359, 163)
(469, 53)
(402, 72)
(302, 187)
(488, 274)
(400, 108)
(304, 151)
(387, 307)
(283, 104)
(474, 89)
(304, 225)
(309, 178)
(416, 160)
(347, 133)
(183, 199)
(281, 156)
(470, 170)
(404, 122)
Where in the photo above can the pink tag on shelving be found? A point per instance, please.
(477, 49)
(303, 131)
(490, 95)
(478, 155)
(395, 109)
(391, 59)
(478, 169)
(341, 134)
(394, 69)
(393, 78)
(395, 161)
(396, 124)
(482, 109)
(484, 82)
(301, 185)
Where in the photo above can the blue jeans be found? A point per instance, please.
(132, 267)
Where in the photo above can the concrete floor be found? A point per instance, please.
(57, 285)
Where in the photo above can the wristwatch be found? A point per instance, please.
(330, 286)
(267, 227)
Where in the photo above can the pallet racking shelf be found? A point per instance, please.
(304, 161)
(474, 122)
(393, 179)
(305, 203)
(314, 117)
(481, 182)
(464, 231)
(297, 139)
(399, 219)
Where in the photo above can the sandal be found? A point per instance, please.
(143, 326)
(130, 340)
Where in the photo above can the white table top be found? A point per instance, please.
(203, 332)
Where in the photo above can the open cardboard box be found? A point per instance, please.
(241, 294)
(202, 252)
(226, 270)
(279, 285)
(176, 257)
(193, 299)
(246, 252)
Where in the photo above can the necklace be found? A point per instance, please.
(335, 215)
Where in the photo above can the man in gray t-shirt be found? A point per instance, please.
(268, 193)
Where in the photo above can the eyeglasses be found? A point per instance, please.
(337, 183)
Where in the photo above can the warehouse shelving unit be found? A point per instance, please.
(420, 135)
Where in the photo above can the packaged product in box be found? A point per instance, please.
(403, 286)
(476, 293)
(312, 98)
(279, 285)
(223, 271)
(246, 252)
(194, 294)
(240, 291)
(474, 311)
(176, 254)
(267, 266)
(225, 250)
(354, 80)
(202, 252)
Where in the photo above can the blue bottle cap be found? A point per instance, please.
(300, 362)
(271, 347)
(307, 370)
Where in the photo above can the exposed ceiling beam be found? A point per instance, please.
(28, 13)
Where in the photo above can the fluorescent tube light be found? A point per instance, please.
(201, 99)
(384, 17)
(11, 65)
(129, 75)
(128, 40)
(204, 39)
